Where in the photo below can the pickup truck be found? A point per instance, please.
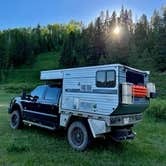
(89, 102)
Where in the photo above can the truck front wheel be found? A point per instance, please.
(15, 120)
(78, 136)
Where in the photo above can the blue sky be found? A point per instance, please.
(25, 13)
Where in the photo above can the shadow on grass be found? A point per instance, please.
(99, 144)
(45, 132)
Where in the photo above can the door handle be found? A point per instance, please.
(38, 105)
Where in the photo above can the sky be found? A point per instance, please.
(26, 13)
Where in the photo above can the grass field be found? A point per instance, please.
(31, 73)
(39, 147)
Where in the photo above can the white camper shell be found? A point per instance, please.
(101, 94)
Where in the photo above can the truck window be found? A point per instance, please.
(52, 94)
(106, 78)
(38, 91)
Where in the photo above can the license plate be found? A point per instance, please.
(126, 120)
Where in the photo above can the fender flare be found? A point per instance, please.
(17, 105)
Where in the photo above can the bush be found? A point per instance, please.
(157, 109)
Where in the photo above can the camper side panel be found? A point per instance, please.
(122, 75)
(80, 92)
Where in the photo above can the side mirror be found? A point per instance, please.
(23, 95)
(35, 98)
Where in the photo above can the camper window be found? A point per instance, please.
(134, 77)
(105, 78)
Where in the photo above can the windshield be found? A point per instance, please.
(38, 91)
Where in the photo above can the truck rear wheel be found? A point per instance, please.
(78, 136)
(15, 120)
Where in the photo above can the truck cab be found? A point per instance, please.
(40, 107)
(89, 102)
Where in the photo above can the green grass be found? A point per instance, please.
(39, 147)
(35, 146)
(160, 80)
(157, 109)
(30, 74)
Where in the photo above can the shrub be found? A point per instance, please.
(157, 109)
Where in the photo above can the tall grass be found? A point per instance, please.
(18, 88)
(157, 109)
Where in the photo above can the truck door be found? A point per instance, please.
(49, 107)
(32, 107)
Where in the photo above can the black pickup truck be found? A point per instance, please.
(40, 108)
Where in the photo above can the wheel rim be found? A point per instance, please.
(14, 120)
(77, 136)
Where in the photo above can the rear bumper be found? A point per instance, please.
(122, 134)
(125, 120)
(131, 108)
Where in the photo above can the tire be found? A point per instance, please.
(15, 120)
(78, 136)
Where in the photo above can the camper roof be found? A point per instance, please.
(58, 74)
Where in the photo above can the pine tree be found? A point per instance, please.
(161, 44)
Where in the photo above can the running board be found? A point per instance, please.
(39, 125)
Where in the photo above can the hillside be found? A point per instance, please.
(27, 76)
(30, 73)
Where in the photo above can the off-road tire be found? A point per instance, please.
(16, 120)
(78, 135)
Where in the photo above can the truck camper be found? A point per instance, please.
(89, 102)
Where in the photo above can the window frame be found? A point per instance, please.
(136, 82)
(106, 86)
(43, 94)
(51, 100)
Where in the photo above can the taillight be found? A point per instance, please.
(129, 91)
(151, 90)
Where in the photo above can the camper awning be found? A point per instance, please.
(51, 74)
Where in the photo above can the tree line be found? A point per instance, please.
(110, 38)
(140, 43)
(21, 45)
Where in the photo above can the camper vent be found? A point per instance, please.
(86, 88)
